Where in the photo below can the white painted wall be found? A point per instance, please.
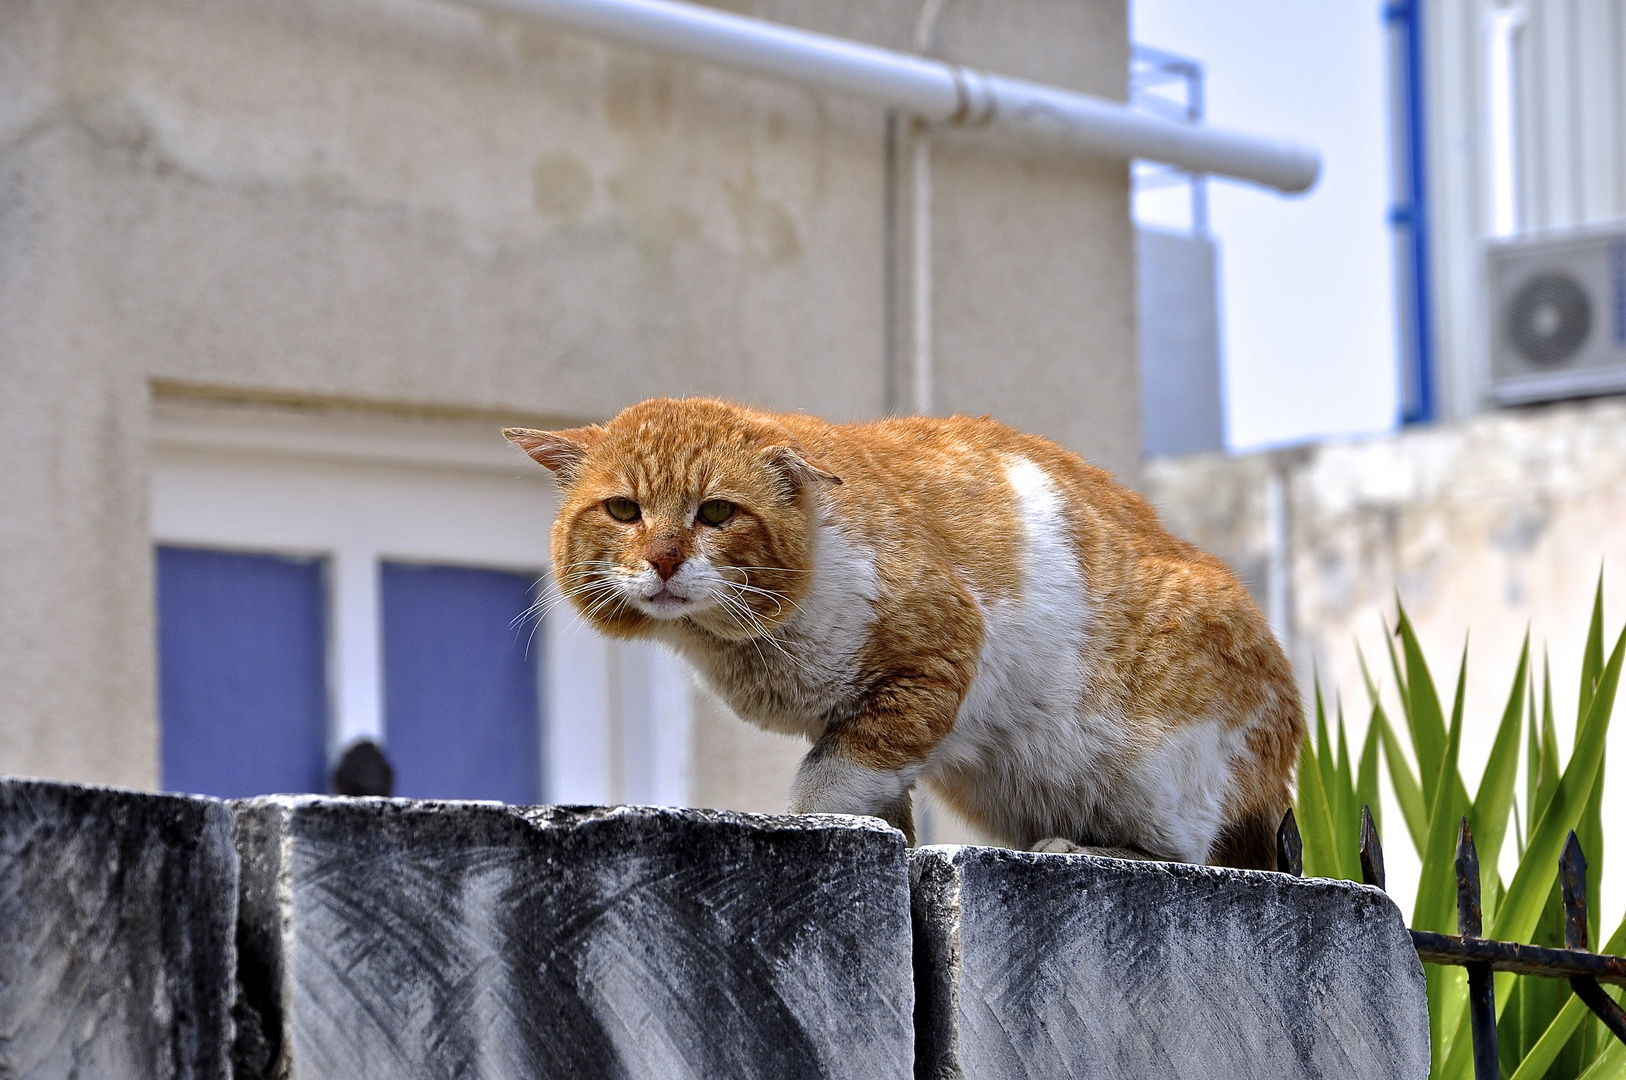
(1526, 128)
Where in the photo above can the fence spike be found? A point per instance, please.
(1481, 983)
(1371, 850)
(1469, 917)
(1289, 846)
(1572, 878)
(1572, 875)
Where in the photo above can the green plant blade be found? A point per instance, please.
(1327, 765)
(1539, 868)
(1532, 769)
(1592, 653)
(1422, 711)
(1547, 777)
(1436, 888)
(1589, 832)
(1394, 661)
(1408, 793)
(1346, 809)
(1436, 892)
(1611, 1064)
(1366, 777)
(1493, 802)
(1315, 819)
(1541, 1056)
(1532, 884)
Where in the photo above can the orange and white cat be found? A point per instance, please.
(938, 600)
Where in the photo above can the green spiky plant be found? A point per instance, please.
(1543, 1030)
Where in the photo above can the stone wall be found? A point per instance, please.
(354, 938)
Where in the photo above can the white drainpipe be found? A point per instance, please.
(934, 90)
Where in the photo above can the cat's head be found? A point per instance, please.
(681, 513)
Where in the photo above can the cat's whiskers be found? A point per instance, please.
(554, 592)
(753, 623)
(589, 588)
(727, 606)
(779, 599)
(592, 589)
(618, 601)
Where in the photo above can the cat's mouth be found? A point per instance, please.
(667, 603)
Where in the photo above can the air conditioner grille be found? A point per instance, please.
(1549, 319)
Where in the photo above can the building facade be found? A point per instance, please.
(1509, 127)
(273, 275)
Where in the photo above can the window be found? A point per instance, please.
(327, 578)
(242, 681)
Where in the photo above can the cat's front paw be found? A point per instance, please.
(1058, 845)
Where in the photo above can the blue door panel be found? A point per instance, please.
(460, 683)
(242, 673)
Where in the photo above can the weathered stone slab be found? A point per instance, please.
(1071, 966)
(116, 916)
(394, 939)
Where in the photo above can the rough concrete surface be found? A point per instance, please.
(116, 913)
(394, 938)
(1071, 966)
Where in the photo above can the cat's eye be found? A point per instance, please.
(716, 511)
(621, 509)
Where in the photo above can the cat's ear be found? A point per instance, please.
(561, 451)
(798, 469)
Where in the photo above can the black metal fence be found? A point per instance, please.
(1481, 956)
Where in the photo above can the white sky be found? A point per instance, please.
(1306, 283)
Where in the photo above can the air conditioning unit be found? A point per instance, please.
(1559, 310)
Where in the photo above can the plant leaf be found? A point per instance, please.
(1314, 819)
(1407, 791)
(1592, 654)
(1539, 868)
(1327, 764)
(1366, 776)
(1589, 832)
(1346, 813)
(1493, 802)
(1546, 1049)
(1436, 892)
(1611, 1064)
(1547, 778)
(1423, 711)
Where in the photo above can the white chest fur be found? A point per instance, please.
(793, 680)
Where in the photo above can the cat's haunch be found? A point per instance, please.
(938, 600)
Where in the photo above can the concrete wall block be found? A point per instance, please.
(394, 938)
(1065, 965)
(116, 915)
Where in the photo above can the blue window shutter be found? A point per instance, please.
(460, 683)
(242, 673)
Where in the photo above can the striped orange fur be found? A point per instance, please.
(945, 601)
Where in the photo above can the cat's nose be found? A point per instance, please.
(666, 561)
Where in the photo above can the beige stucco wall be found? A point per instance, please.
(411, 205)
